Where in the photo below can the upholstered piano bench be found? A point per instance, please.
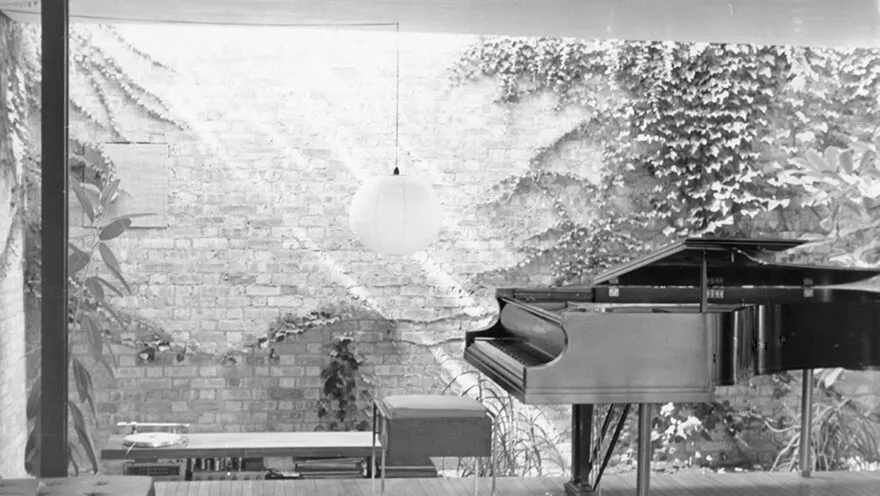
(413, 427)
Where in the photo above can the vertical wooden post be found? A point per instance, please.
(52, 415)
(804, 461)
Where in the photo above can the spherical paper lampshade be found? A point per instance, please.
(395, 215)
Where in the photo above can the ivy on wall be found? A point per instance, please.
(13, 122)
(692, 136)
(343, 405)
(694, 120)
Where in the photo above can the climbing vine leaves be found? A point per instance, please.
(13, 122)
(693, 137)
(343, 404)
(695, 117)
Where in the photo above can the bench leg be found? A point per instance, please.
(492, 467)
(492, 449)
(476, 475)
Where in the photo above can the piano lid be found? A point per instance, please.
(729, 262)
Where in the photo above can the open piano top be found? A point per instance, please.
(674, 324)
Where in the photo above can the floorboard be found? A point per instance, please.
(65, 486)
(685, 484)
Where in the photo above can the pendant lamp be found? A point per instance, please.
(396, 214)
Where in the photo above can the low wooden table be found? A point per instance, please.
(251, 445)
(78, 486)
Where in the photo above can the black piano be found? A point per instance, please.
(669, 327)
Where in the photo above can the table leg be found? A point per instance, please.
(373, 456)
(384, 451)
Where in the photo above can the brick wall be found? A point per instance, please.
(13, 424)
(258, 217)
(285, 125)
(256, 390)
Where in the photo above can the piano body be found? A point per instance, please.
(670, 327)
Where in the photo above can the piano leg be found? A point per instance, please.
(804, 462)
(581, 444)
(643, 475)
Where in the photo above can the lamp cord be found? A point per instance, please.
(397, 100)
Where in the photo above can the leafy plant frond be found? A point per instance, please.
(88, 302)
(522, 446)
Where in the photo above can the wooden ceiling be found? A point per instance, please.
(797, 22)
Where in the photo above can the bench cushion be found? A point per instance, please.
(432, 406)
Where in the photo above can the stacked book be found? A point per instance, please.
(335, 468)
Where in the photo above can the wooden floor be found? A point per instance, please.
(709, 484)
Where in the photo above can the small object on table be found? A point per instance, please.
(135, 427)
(153, 440)
(273, 474)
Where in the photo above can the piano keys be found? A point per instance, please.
(673, 325)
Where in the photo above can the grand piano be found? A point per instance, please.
(670, 327)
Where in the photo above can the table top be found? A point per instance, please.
(322, 444)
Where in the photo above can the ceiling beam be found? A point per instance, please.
(795, 22)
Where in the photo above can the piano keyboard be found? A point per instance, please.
(519, 350)
(512, 357)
